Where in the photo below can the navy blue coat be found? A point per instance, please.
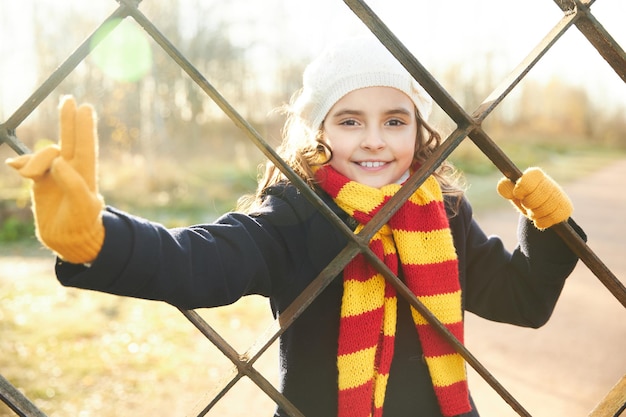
(278, 251)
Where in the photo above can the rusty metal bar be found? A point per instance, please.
(602, 40)
(458, 114)
(7, 129)
(299, 304)
(518, 73)
(576, 11)
(406, 58)
(16, 401)
(358, 243)
(593, 262)
(614, 403)
(230, 111)
(405, 292)
(242, 364)
(499, 158)
(320, 283)
(564, 230)
(8, 136)
(484, 142)
(60, 73)
(211, 399)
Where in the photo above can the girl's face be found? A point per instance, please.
(372, 133)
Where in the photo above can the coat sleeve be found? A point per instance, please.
(521, 286)
(191, 267)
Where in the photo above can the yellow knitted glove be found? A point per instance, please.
(65, 199)
(538, 197)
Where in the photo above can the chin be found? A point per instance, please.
(374, 184)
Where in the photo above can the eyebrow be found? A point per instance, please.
(349, 112)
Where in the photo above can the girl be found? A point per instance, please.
(354, 133)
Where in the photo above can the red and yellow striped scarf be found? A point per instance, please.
(418, 235)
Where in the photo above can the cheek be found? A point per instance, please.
(407, 146)
(412, 143)
(338, 147)
(326, 139)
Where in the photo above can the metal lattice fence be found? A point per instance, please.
(576, 14)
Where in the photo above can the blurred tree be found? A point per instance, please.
(175, 100)
(165, 111)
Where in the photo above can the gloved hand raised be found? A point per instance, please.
(538, 197)
(65, 199)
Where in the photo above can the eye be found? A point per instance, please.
(395, 122)
(348, 122)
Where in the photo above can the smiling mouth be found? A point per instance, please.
(372, 164)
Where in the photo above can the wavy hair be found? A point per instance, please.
(303, 149)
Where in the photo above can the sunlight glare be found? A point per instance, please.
(122, 51)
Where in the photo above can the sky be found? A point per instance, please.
(444, 31)
(438, 33)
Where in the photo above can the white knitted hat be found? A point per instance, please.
(347, 66)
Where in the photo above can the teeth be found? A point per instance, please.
(371, 164)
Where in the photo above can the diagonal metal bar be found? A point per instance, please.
(496, 155)
(458, 114)
(235, 117)
(511, 81)
(8, 136)
(484, 142)
(358, 243)
(614, 402)
(211, 398)
(274, 332)
(242, 364)
(61, 72)
(602, 40)
(590, 28)
(564, 230)
(299, 305)
(7, 129)
(442, 153)
(412, 65)
(17, 401)
(403, 290)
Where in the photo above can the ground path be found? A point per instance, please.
(560, 370)
(567, 366)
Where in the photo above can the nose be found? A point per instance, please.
(373, 139)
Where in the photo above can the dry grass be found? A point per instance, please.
(80, 353)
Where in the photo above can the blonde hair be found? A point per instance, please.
(303, 149)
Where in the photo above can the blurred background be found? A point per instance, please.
(169, 154)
